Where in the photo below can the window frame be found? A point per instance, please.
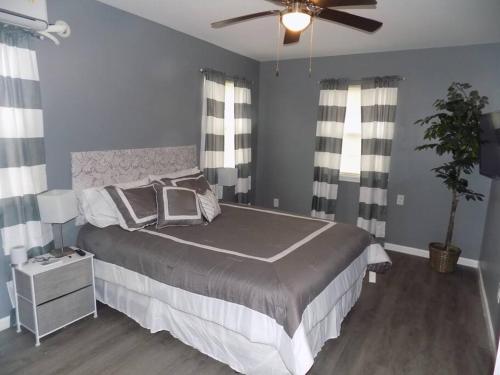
(350, 177)
(345, 175)
(229, 125)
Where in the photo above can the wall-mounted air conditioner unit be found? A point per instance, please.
(28, 14)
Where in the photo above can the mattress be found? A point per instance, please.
(269, 264)
(248, 351)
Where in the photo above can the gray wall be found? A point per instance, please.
(288, 106)
(490, 255)
(120, 81)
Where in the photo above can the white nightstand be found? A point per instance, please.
(50, 297)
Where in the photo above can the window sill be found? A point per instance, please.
(349, 177)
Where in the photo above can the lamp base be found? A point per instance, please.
(59, 253)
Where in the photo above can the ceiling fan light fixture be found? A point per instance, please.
(296, 18)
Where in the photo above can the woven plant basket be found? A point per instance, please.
(441, 260)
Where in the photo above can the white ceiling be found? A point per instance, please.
(408, 24)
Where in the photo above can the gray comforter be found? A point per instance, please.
(272, 263)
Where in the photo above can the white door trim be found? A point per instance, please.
(4, 323)
(487, 313)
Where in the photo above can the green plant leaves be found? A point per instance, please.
(454, 130)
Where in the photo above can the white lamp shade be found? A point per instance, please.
(227, 176)
(57, 206)
(18, 256)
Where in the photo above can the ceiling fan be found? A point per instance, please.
(298, 15)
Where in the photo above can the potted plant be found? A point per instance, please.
(454, 131)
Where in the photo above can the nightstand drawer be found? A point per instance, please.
(59, 312)
(63, 280)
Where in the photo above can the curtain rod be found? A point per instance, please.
(358, 81)
(354, 81)
(203, 70)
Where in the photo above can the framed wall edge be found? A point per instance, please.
(468, 262)
(487, 314)
(4, 323)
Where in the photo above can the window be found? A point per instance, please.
(350, 161)
(229, 161)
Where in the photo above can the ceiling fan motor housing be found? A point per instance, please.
(298, 15)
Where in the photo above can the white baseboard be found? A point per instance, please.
(425, 254)
(4, 323)
(487, 313)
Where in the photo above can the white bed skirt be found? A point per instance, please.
(248, 341)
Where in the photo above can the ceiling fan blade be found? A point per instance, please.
(348, 19)
(342, 3)
(291, 36)
(231, 21)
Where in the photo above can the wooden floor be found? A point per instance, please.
(413, 321)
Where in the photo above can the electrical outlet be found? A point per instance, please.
(220, 191)
(400, 200)
(498, 293)
(276, 202)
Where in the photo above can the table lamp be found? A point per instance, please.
(18, 256)
(58, 207)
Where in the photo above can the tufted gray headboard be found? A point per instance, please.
(99, 168)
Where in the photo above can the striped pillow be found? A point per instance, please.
(136, 205)
(177, 206)
(209, 205)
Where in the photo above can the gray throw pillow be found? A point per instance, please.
(208, 201)
(169, 180)
(177, 206)
(136, 206)
(196, 182)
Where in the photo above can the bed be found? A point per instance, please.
(260, 290)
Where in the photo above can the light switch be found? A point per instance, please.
(276, 202)
(400, 200)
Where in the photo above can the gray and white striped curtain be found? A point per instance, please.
(212, 125)
(243, 139)
(329, 133)
(22, 152)
(379, 98)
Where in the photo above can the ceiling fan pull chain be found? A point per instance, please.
(311, 48)
(278, 49)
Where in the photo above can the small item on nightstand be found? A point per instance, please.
(80, 252)
(45, 259)
(51, 261)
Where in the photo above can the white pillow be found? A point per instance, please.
(97, 207)
(178, 174)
